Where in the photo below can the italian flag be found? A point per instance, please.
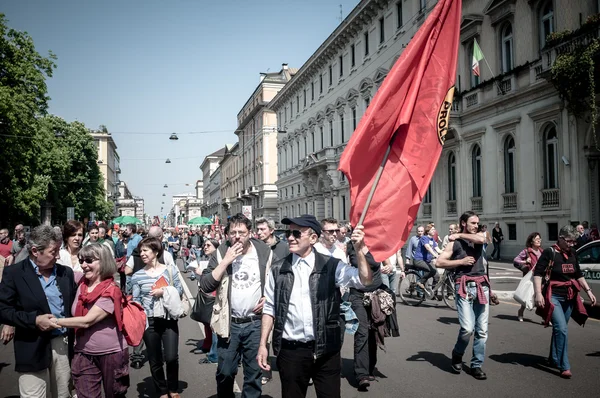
(477, 56)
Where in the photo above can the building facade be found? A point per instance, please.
(126, 205)
(210, 165)
(231, 198)
(139, 208)
(109, 163)
(257, 141)
(515, 154)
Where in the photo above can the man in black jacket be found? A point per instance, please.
(32, 293)
(302, 307)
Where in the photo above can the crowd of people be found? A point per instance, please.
(62, 292)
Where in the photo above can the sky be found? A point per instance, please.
(146, 69)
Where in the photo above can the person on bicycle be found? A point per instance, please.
(423, 259)
(413, 244)
(464, 254)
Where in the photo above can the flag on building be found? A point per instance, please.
(413, 107)
(477, 56)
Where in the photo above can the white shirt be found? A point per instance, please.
(245, 284)
(65, 259)
(168, 257)
(299, 324)
(335, 251)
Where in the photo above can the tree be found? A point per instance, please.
(23, 100)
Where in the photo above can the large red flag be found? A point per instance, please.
(413, 106)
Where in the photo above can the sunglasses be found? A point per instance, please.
(87, 260)
(330, 231)
(295, 232)
(568, 241)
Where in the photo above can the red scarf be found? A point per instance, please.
(558, 249)
(106, 288)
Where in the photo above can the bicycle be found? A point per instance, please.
(411, 294)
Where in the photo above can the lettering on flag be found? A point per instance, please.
(444, 115)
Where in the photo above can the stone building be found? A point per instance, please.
(515, 154)
(109, 164)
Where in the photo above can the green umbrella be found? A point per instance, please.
(200, 221)
(127, 220)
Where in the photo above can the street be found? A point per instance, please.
(415, 364)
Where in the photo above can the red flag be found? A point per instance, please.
(413, 106)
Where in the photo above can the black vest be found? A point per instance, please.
(325, 302)
(462, 249)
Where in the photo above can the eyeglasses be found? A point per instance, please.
(87, 260)
(295, 232)
(238, 233)
(568, 241)
(331, 231)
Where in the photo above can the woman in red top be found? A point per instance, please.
(101, 356)
(559, 299)
(527, 259)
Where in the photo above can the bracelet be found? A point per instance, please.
(589, 289)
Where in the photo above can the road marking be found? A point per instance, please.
(506, 277)
(504, 269)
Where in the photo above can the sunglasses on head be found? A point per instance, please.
(87, 260)
(295, 232)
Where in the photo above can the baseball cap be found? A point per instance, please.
(305, 220)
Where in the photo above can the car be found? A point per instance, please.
(588, 257)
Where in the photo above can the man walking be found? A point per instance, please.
(452, 229)
(265, 228)
(237, 272)
(413, 244)
(464, 254)
(33, 292)
(303, 308)
(327, 242)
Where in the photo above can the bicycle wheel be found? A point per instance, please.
(449, 293)
(409, 292)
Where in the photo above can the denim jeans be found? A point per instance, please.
(391, 281)
(212, 354)
(560, 337)
(473, 318)
(243, 342)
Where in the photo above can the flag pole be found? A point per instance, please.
(493, 76)
(376, 182)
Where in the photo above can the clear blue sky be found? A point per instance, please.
(167, 66)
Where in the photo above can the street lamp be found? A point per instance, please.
(166, 186)
(173, 137)
(168, 161)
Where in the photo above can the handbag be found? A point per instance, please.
(546, 280)
(203, 308)
(185, 303)
(525, 292)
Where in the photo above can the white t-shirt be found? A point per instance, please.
(335, 251)
(245, 284)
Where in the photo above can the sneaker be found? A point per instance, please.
(264, 380)
(478, 374)
(363, 384)
(566, 374)
(136, 364)
(205, 361)
(520, 318)
(456, 363)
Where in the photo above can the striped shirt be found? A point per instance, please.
(142, 285)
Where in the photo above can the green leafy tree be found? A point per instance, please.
(23, 100)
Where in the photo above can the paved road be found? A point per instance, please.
(415, 364)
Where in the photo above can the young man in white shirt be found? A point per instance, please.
(237, 271)
(302, 307)
(327, 242)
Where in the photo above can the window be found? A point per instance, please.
(512, 231)
(507, 48)
(422, 5)
(304, 98)
(589, 255)
(509, 165)
(476, 170)
(552, 231)
(331, 207)
(473, 77)
(292, 188)
(285, 119)
(427, 197)
(312, 91)
(353, 118)
(367, 102)
(341, 60)
(305, 208)
(321, 83)
(451, 176)
(343, 207)
(297, 104)
(352, 56)
(291, 110)
(342, 128)
(550, 157)
(322, 137)
(366, 38)
(331, 133)
(305, 145)
(546, 22)
(312, 139)
(381, 30)
(399, 14)
(330, 75)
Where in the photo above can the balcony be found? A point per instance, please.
(551, 198)
(451, 207)
(510, 201)
(582, 37)
(254, 190)
(505, 86)
(246, 193)
(471, 99)
(477, 203)
(427, 210)
(238, 196)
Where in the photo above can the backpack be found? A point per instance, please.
(134, 321)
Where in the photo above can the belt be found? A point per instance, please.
(297, 344)
(247, 319)
(474, 284)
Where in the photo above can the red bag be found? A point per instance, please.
(134, 321)
(121, 262)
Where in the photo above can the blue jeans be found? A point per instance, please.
(212, 354)
(243, 341)
(560, 319)
(473, 317)
(390, 280)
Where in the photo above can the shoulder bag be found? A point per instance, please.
(185, 303)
